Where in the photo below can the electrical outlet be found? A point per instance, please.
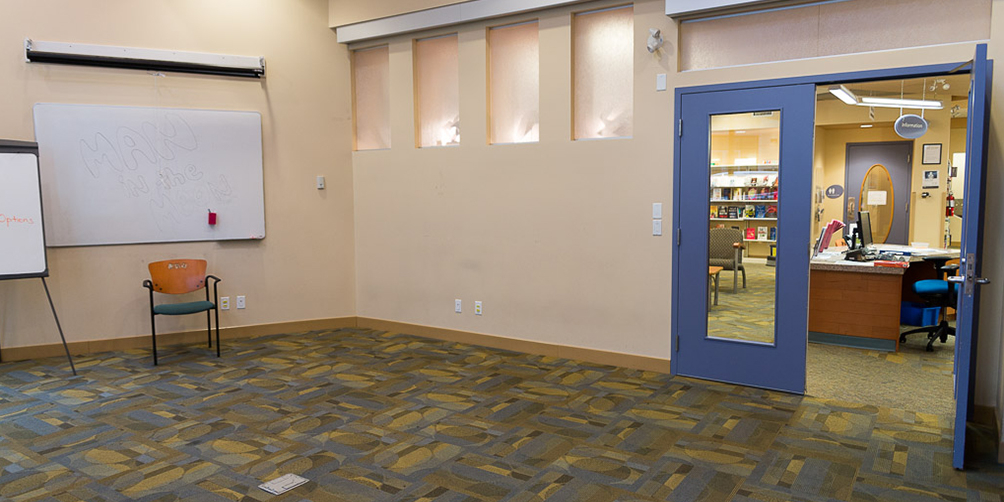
(241, 302)
(457, 306)
(224, 303)
(477, 307)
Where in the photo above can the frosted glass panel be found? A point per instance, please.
(830, 29)
(437, 88)
(371, 87)
(603, 43)
(515, 83)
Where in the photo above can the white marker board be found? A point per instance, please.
(125, 175)
(22, 239)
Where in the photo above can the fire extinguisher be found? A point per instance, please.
(950, 205)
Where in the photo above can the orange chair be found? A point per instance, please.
(177, 277)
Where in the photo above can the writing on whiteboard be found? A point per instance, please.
(156, 163)
(8, 219)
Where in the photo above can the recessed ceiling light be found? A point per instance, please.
(740, 132)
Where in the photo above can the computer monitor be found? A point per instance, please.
(865, 229)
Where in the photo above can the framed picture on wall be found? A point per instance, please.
(932, 154)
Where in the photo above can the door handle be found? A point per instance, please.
(982, 280)
(957, 278)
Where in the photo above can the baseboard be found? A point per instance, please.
(632, 361)
(176, 338)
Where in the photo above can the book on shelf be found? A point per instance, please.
(772, 211)
(714, 211)
(723, 211)
(761, 233)
(750, 234)
(760, 211)
(773, 234)
(748, 211)
(716, 194)
(734, 212)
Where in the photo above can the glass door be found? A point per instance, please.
(743, 198)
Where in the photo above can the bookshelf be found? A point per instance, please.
(745, 197)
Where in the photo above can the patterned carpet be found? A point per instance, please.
(369, 415)
(749, 313)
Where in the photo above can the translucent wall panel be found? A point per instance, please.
(603, 69)
(371, 91)
(830, 29)
(437, 91)
(514, 83)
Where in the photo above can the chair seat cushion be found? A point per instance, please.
(183, 308)
(932, 287)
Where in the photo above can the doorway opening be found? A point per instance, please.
(905, 187)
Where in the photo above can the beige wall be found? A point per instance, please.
(304, 102)
(555, 238)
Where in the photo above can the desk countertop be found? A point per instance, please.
(833, 259)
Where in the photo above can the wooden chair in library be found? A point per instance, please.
(178, 277)
(725, 249)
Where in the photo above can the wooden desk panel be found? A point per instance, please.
(855, 304)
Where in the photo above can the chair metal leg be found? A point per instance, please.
(209, 328)
(744, 278)
(217, 310)
(153, 335)
(735, 280)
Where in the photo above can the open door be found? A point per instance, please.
(969, 280)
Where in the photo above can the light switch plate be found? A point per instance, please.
(241, 302)
(656, 227)
(458, 306)
(660, 82)
(657, 210)
(320, 182)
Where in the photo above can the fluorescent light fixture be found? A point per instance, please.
(866, 126)
(844, 94)
(901, 103)
(37, 51)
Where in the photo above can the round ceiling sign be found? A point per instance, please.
(910, 126)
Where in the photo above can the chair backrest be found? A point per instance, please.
(721, 243)
(177, 277)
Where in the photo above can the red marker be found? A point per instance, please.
(212, 217)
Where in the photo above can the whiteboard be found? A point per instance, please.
(124, 175)
(22, 241)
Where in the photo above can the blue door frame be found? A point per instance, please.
(981, 68)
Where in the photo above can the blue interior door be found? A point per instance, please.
(969, 279)
(887, 158)
(743, 194)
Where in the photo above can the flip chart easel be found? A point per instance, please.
(22, 237)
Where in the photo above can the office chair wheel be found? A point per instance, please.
(902, 338)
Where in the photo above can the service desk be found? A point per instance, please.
(858, 299)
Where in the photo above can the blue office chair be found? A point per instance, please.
(936, 293)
